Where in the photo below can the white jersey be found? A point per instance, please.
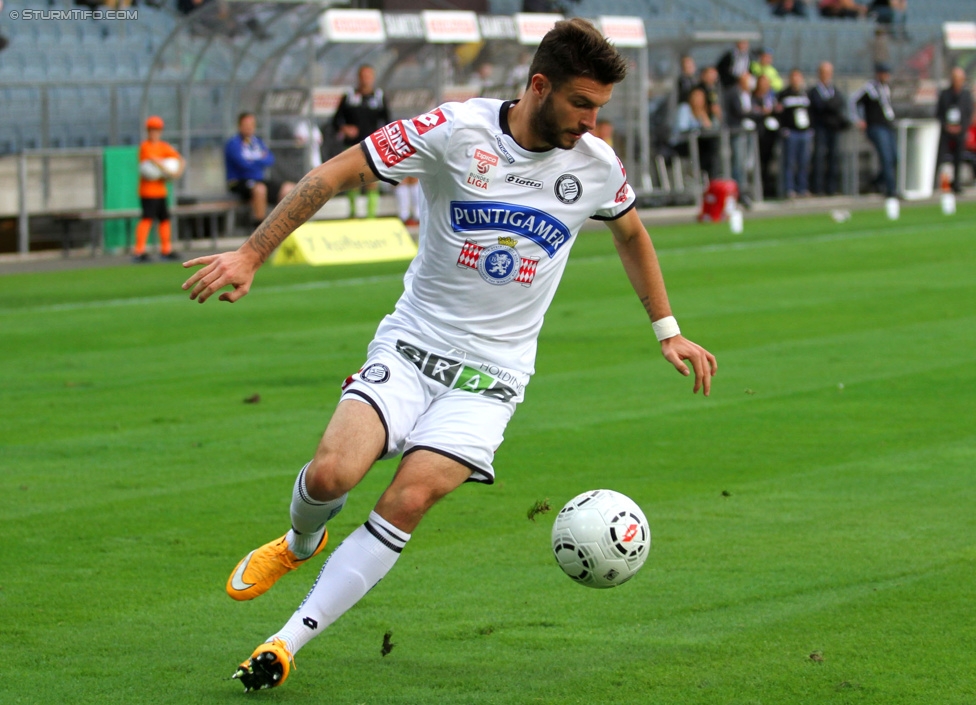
(498, 225)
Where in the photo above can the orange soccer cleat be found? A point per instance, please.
(268, 667)
(262, 567)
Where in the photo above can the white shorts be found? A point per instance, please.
(443, 402)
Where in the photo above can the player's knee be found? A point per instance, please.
(259, 190)
(409, 504)
(326, 478)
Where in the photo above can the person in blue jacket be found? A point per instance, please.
(246, 159)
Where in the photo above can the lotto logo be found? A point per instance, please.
(621, 194)
(428, 121)
(391, 144)
(631, 533)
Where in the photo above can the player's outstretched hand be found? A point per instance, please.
(226, 269)
(678, 349)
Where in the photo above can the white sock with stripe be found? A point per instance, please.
(351, 571)
(308, 518)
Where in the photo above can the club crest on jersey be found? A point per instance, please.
(482, 169)
(498, 264)
(568, 188)
(547, 232)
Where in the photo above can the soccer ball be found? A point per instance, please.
(151, 171)
(601, 538)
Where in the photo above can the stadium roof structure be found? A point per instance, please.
(293, 59)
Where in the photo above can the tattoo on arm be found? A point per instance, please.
(646, 300)
(362, 178)
(308, 196)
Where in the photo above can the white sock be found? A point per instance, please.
(351, 571)
(308, 518)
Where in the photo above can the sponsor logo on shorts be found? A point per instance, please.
(487, 380)
(391, 143)
(377, 373)
(498, 264)
(547, 232)
(568, 188)
(428, 121)
(522, 181)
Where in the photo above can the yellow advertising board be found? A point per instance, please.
(347, 242)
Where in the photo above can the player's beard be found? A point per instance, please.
(545, 124)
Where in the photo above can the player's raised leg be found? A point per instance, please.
(350, 445)
(359, 562)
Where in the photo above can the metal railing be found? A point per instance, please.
(45, 155)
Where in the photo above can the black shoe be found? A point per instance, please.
(141, 259)
(173, 256)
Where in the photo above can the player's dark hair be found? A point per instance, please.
(576, 49)
(241, 116)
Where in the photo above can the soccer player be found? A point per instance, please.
(360, 112)
(508, 186)
(152, 192)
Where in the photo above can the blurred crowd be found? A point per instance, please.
(796, 122)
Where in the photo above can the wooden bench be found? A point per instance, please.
(94, 216)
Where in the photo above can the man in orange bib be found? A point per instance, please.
(152, 191)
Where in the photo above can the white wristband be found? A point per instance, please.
(665, 328)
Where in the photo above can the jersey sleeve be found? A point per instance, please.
(413, 147)
(620, 196)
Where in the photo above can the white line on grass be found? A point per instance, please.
(382, 279)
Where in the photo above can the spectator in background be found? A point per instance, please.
(828, 114)
(153, 191)
(694, 117)
(767, 126)
(3, 38)
(892, 14)
(970, 153)
(709, 85)
(764, 67)
(604, 130)
(739, 119)
(875, 114)
(794, 118)
(483, 76)
(246, 158)
(308, 136)
(361, 112)
(734, 63)
(842, 9)
(784, 8)
(955, 113)
(687, 79)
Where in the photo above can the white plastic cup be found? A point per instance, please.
(892, 208)
(948, 204)
(735, 221)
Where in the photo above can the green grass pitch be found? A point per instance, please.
(813, 522)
